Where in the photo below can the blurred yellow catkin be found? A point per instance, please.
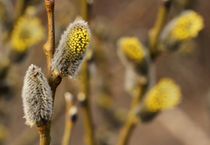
(131, 49)
(165, 95)
(184, 27)
(187, 26)
(27, 32)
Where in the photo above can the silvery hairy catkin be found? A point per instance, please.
(72, 48)
(37, 97)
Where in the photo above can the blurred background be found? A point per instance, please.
(188, 124)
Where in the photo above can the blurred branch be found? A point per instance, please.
(126, 131)
(86, 9)
(155, 32)
(20, 7)
(87, 119)
(71, 118)
(132, 120)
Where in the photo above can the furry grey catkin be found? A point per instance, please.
(72, 48)
(37, 97)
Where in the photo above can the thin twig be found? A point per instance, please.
(49, 47)
(85, 83)
(127, 130)
(158, 27)
(132, 121)
(54, 79)
(71, 117)
(44, 134)
(87, 118)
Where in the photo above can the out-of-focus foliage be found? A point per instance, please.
(27, 32)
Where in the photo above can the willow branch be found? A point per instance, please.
(44, 134)
(85, 83)
(71, 117)
(132, 121)
(54, 78)
(85, 106)
(155, 32)
(67, 132)
(126, 131)
(49, 47)
(142, 87)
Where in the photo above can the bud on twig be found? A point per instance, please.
(37, 97)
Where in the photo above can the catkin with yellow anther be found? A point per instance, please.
(165, 95)
(37, 97)
(27, 32)
(131, 50)
(72, 48)
(184, 27)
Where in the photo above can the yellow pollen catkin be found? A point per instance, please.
(72, 48)
(78, 40)
(132, 49)
(187, 26)
(165, 95)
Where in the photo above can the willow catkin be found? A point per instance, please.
(37, 97)
(72, 48)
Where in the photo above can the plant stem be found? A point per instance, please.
(88, 123)
(54, 79)
(44, 134)
(155, 32)
(85, 84)
(71, 118)
(127, 130)
(85, 105)
(132, 121)
(49, 47)
(86, 9)
(67, 132)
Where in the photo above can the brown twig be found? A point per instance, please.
(44, 134)
(49, 47)
(54, 78)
